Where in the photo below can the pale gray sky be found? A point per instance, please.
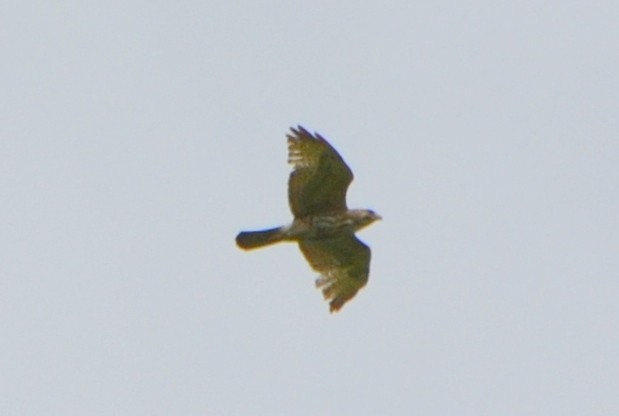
(137, 139)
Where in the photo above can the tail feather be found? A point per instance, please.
(255, 239)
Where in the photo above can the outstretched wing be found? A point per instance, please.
(320, 177)
(344, 265)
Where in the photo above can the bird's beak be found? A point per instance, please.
(377, 217)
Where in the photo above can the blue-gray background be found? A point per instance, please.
(137, 138)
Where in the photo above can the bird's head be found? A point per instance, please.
(363, 217)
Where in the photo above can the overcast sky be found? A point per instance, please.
(137, 139)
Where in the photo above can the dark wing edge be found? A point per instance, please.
(344, 265)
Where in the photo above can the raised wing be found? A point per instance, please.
(320, 177)
(344, 265)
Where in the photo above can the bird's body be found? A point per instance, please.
(311, 227)
(323, 225)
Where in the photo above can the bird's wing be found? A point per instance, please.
(320, 177)
(344, 265)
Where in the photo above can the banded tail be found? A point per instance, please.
(255, 239)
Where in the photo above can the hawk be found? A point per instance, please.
(323, 226)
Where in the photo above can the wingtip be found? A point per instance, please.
(300, 130)
(335, 306)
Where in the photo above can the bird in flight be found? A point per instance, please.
(323, 226)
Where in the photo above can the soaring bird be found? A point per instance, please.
(323, 226)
